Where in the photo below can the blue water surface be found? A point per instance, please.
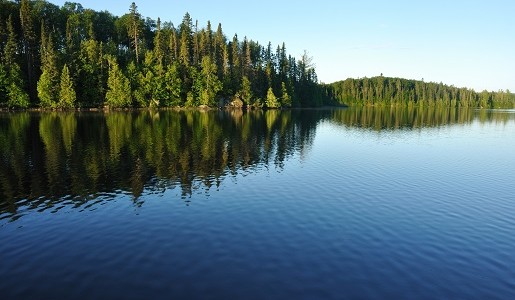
(328, 210)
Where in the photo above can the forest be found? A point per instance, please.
(72, 57)
(387, 91)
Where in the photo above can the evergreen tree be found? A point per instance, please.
(91, 78)
(206, 83)
(271, 99)
(16, 95)
(219, 51)
(4, 83)
(159, 44)
(11, 82)
(173, 46)
(118, 87)
(173, 86)
(134, 29)
(246, 91)
(235, 63)
(48, 84)
(73, 39)
(285, 98)
(29, 44)
(186, 41)
(67, 95)
(11, 46)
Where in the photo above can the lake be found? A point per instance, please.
(361, 203)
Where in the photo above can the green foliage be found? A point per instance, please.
(16, 95)
(4, 82)
(396, 91)
(10, 47)
(171, 94)
(46, 86)
(48, 83)
(118, 87)
(246, 92)
(158, 64)
(91, 78)
(190, 100)
(285, 98)
(134, 29)
(271, 99)
(67, 96)
(206, 83)
(187, 65)
(29, 40)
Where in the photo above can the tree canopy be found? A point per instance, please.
(133, 61)
(397, 91)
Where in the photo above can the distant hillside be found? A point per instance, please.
(397, 91)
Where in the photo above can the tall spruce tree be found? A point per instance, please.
(206, 83)
(271, 99)
(67, 96)
(118, 87)
(12, 82)
(48, 84)
(285, 98)
(246, 91)
(172, 88)
(159, 44)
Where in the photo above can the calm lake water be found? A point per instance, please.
(302, 204)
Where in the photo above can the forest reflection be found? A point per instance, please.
(48, 158)
(55, 159)
(410, 117)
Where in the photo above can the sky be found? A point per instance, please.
(461, 43)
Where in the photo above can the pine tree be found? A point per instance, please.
(67, 95)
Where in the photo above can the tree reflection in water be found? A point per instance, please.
(65, 159)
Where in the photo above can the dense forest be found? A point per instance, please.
(72, 57)
(69, 56)
(397, 91)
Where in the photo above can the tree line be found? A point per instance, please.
(69, 56)
(397, 91)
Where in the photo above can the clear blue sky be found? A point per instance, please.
(463, 43)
